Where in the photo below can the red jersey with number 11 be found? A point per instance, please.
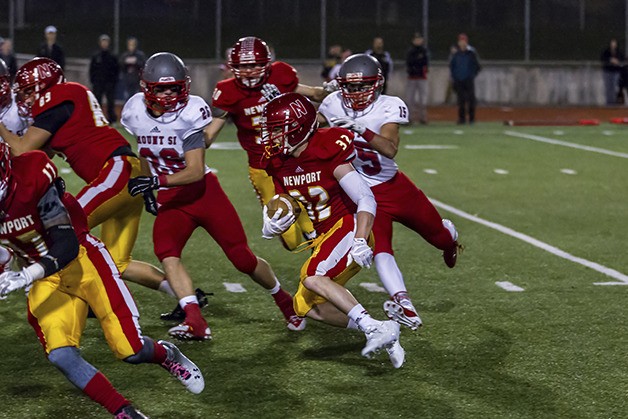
(85, 140)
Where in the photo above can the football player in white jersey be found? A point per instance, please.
(8, 107)
(168, 123)
(375, 118)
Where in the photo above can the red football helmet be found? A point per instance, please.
(165, 71)
(33, 79)
(249, 61)
(5, 88)
(361, 81)
(287, 122)
(5, 170)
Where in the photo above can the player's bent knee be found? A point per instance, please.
(146, 354)
(70, 362)
(243, 259)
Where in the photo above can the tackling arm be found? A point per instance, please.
(317, 94)
(212, 130)
(360, 193)
(34, 139)
(387, 141)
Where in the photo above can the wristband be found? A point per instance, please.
(163, 180)
(368, 135)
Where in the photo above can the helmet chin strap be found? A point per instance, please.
(290, 149)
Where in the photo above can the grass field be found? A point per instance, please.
(557, 349)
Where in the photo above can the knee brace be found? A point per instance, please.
(145, 354)
(242, 258)
(70, 362)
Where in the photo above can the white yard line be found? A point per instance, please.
(372, 287)
(566, 144)
(509, 286)
(622, 278)
(234, 287)
(429, 147)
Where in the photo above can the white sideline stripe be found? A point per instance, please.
(537, 243)
(509, 286)
(226, 145)
(234, 287)
(372, 287)
(566, 144)
(429, 147)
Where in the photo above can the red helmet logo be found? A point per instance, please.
(33, 79)
(249, 61)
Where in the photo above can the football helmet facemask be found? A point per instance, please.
(33, 79)
(5, 88)
(165, 82)
(287, 122)
(361, 81)
(249, 61)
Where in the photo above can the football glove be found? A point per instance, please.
(11, 281)
(331, 86)
(270, 91)
(362, 253)
(350, 124)
(150, 202)
(141, 184)
(277, 225)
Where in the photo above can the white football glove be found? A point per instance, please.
(331, 86)
(362, 253)
(350, 124)
(277, 225)
(11, 281)
(270, 91)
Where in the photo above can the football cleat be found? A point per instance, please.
(383, 335)
(186, 331)
(451, 255)
(401, 310)
(397, 354)
(130, 412)
(178, 314)
(182, 368)
(296, 323)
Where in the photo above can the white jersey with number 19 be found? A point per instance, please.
(374, 167)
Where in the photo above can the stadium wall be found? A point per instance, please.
(499, 83)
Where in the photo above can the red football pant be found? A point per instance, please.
(401, 201)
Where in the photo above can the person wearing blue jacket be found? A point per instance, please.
(464, 67)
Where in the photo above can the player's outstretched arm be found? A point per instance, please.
(34, 139)
(314, 93)
(360, 193)
(212, 130)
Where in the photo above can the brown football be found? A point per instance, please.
(285, 202)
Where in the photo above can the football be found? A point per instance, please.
(285, 202)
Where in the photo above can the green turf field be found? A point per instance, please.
(557, 349)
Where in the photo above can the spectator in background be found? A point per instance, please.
(131, 65)
(383, 57)
(50, 49)
(612, 61)
(103, 74)
(333, 73)
(464, 67)
(7, 55)
(417, 62)
(334, 57)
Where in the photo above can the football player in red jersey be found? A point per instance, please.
(69, 122)
(375, 119)
(68, 271)
(256, 81)
(314, 166)
(168, 123)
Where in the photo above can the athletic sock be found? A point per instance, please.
(389, 273)
(284, 302)
(361, 317)
(352, 325)
(100, 390)
(164, 286)
(160, 354)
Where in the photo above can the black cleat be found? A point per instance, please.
(178, 314)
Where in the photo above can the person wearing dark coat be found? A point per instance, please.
(50, 48)
(103, 74)
(464, 67)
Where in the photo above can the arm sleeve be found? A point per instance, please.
(193, 141)
(61, 238)
(359, 192)
(54, 118)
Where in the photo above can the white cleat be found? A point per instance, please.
(182, 368)
(381, 336)
(397, 354)
(296, 323)
(403, 312)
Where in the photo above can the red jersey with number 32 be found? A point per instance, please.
(310, 177)
(86, 140)
(245, 106)
(32, 174)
